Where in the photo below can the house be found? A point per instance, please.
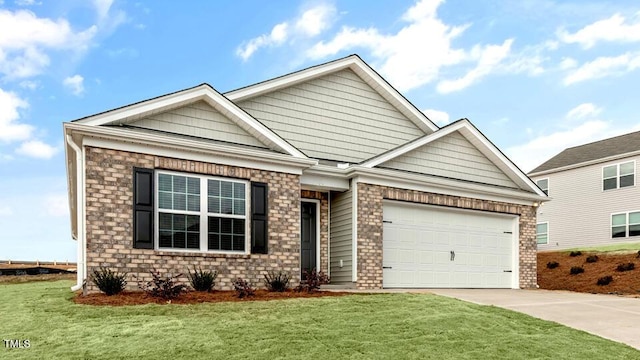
(328, 167)
(595, 197)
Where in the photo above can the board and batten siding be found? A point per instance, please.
(579, 213)
(335, 117)
(201, 120)
(341, 237)
(452, 156)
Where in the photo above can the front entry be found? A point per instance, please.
(308, 239)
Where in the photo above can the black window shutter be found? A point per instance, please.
(259, 211)
(143, 208)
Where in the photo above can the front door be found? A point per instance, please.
(308, 237)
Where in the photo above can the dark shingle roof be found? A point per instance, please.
(617, 145)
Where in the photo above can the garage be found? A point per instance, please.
(428, 246)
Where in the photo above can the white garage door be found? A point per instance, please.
(438, 247)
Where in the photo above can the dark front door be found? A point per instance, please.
(308, 238)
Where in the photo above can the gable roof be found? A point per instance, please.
(598, 150)
(357, 65)
(202, 92)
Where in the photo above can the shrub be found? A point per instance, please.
(277, 282)
(243, 288)
(592, 258)
(163, 287)
(575, 253)
(575, 270)
(202, 280)
(312, 281)
(626, 267)
(638, 256)
(552, 264)
(605, 280)
(108, 281)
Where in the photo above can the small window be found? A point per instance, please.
(542, 233)
(618, 175)
(543, 184)
(625, 224)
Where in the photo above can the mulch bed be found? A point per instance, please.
(624, 283)
(195, 297)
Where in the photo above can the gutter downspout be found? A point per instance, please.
(81, 239)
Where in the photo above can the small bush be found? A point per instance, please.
(592, 258)
(638, 256)
(243, 288)
(626, 267)
(312, 281)
(575, 253)
(278, 282)
(163, 287)
(575, 270)
(552, 264)
(202, 280)
(605, 280)
(108, 281)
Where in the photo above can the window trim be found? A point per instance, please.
(540, 223)
(626, 225)
(203, 213)
(617, 177)
(548, 185)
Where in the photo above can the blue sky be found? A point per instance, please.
(534, 76)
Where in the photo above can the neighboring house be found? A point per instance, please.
(329, 168)
(595, 200)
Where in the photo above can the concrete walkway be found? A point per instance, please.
(612, 317)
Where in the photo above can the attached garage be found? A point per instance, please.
(427, 246)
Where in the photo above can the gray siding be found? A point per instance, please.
(198, 119)
(341, 237)
(335, 117)
(454, 157)
(579, 213)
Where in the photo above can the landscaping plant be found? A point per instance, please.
(552, 264)
(202, 280)
(592, 258)
(575, 253)
(278, 282)
(108, 281)
(575, 270)
(605, 280)
(166, 287)
(626, 267)
(243, 288)
(312, 280)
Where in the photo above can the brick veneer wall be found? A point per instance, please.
(370, 229)
(324, 225)
(109, 192)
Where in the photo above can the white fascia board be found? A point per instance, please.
(319, 182)
(586, 163)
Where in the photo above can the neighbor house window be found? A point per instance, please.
(618, 175)
(625, 224)
(542, 233)
(543, 184)
(201, 213)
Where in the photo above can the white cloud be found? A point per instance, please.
(568, 63)
(613, 29)
(27, 2)
(10, 128)
(604, 66)
(277, 36)
(29, 84)
(108, 18)
(437, 116)
(583, 111)
(315, 20)
(5, 210)
(37, 149)
(74, 83)
(56, 204)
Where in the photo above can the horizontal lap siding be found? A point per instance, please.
(579, 213)
(341, 237)
(198, 119)
(336, 117)
(453, 157)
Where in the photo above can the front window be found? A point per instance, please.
(625, 224)
(542, 233)
(201, 213)
(618, 175)
(543, 184)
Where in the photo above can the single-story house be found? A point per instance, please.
(328, 167)
(595, 197)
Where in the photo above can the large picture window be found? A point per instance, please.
(625, 224)
(618, 175)
(201, 213)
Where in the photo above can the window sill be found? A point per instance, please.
(201, 254)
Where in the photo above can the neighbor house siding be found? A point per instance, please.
(579, 213)
(341, 237)
(201, 120)
(335, 117)
(452, 156)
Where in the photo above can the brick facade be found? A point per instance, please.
(109, 222)
(370, 229)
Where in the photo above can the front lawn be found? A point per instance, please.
(386, 326)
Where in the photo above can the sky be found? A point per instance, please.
(535, 76)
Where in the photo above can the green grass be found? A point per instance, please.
(386, 326)
(630, 247)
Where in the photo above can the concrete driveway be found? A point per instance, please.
(612, 317)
